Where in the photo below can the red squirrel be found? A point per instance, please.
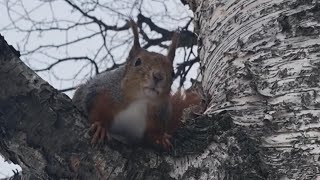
(133, 102)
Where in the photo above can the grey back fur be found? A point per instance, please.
(86, 93)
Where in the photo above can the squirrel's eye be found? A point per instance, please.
(138, 62)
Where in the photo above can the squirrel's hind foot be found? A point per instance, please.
(164, 142)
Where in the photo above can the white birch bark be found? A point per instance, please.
(261, 64)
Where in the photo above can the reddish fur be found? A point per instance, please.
(153, 129)
(179, 103)
(101, 110)
(104, 109)
(101, 115)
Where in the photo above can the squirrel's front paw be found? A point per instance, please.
(99, 133)
(164, 142)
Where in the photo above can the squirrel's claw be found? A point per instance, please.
(164, 142)
(166, 139)
(99, 133)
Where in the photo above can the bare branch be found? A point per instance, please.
(102, 39)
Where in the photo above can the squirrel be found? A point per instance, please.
(133, 103)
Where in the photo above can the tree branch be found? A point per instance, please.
(99, 22)
(68, 59)
(45, 134)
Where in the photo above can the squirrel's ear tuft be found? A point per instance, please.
(136, 45)
(173, 46)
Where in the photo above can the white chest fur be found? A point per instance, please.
(130, 124)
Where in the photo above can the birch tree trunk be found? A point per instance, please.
(260, 64)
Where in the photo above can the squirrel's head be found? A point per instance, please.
(148, 74)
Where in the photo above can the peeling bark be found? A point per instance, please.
(264, 57)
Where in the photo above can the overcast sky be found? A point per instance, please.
(42, 11)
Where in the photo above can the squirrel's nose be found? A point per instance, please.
(157, 76)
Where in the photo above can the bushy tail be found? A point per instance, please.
(182, 102)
